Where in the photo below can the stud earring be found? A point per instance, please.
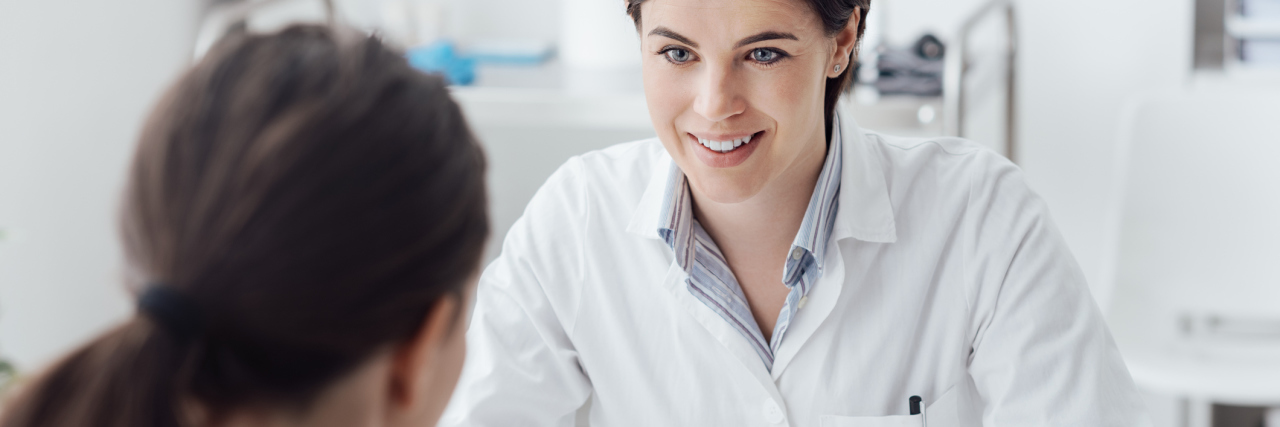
(837, 68)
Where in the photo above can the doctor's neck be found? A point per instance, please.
(770, 219)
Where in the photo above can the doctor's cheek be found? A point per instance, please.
(667, 97)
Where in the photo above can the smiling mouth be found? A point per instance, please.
(726, 146)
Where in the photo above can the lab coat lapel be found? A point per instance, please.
(820, 302)
(865, 213)
(644, 223)
(733, 341)
(648, 213)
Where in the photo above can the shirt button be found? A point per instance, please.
(772, 412)
(797, 253)
(803, 300)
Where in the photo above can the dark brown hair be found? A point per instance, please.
(306, 197)
(835, 16)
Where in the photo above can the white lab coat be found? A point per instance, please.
(947, 281)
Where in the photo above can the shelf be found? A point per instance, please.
(1253, 28)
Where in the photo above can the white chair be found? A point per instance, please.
(1195, 295)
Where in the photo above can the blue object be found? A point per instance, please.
(441, 57)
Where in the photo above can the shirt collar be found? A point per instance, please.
(864, 214)
(676, 217)
(815, 228)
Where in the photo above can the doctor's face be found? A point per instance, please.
(735, 89)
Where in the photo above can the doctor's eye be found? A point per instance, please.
(767, 56)
(676, 55)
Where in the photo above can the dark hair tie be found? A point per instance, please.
(172, 310)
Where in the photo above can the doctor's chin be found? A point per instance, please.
(617, 213)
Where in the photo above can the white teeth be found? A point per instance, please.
(725, 146)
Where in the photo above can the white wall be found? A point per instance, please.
(1079, 66)
(527, 19)
(905, 20)
(76, 79)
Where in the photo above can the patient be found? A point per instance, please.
(303, 224)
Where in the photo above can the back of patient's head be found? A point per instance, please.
(297, 202)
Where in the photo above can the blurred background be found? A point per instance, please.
(1150, 127)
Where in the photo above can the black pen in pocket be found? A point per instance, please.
(914, 403)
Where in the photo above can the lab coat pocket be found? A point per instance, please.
(888, 421)
(941, 413)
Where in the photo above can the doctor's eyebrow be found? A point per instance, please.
(764, 36)
(668, 33)
(767, 35)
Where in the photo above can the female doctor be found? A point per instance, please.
(766, 262)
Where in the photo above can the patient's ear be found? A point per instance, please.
(424, 370)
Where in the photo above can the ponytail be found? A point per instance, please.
(131, 376)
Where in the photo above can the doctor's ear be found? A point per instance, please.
(846, 41)
(424, 369)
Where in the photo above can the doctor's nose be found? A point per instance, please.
(717, 98)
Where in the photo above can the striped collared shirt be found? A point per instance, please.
(712, 282)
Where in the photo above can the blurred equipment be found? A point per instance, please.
(929, 47)
(965, 86)
(915, 71)
(1260, 8)
(959, 65)
(1260, 52)
(1239, 37)
(1257, 26)
(1195, 302)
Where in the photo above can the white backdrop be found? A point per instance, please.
(76, 79)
